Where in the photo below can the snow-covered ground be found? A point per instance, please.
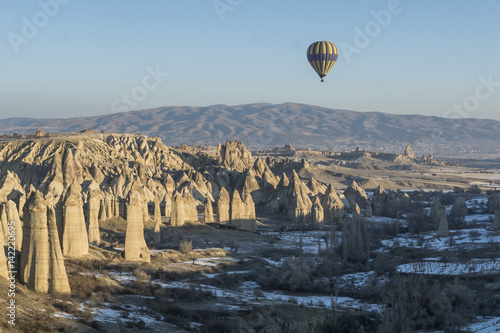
(465, 238)
(211, 262)
(484, 325)
(454, 268)
(310, 241)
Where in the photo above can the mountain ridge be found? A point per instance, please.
(265, 125)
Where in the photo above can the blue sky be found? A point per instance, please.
(97, 57)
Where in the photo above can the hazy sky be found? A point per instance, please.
(61, 58)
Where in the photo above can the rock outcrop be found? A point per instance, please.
(493, 202)
(93, 203)
(409, 153)
(223, 206)
(459, 208)
(318, 215)
(333, 207)
(243, 212)
(443, 230)
(13, 216)
(42, 263)
(157, 219)
(75, 242)
(3, 259)
(209, 213)
(178, 217)
(379, 200)
(135, 244)
(234, 156)
(298, 204)
(356, 195)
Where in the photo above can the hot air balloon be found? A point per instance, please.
(322, 56)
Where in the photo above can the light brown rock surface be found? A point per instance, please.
(209, 213)
(298, 204)
(135, 244)
(74, 238)
(234, 156)
(223, 206)
(317, 214)
(93, 204)
(356, 195)
(42, 262)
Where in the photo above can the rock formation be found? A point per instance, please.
(13, 216)
(58, 279)
(135, 244)
(298, 204)
(443, 230)
(234, 156)
(435, 212)
(42, 263)
(379, 200)
(317, 214)
(284, 182)
(252, 186)
(493, 202)
(3, 259)
(333, 207)
(356, 195)
(369, 212)
(157, 219)
(209, 214)
(74, 239)
(459, 208)
(243, 212)
(314, 186)
(93, 203)
(10, 187)
(223, 206)
(409, 153)
(190, 206)
(178, 211)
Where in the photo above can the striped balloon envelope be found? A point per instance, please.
(322, 56)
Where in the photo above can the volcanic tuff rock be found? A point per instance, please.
(459, 208)
(3, 258)
(74, 238)
(135, 244)
(333, 207)
(356, 195)
(234, 156)
(298, 204)
(493, 202)
(243, 212)
(379, 200)
(223, 206)
(409, 153)
(317, 214)
(209, 214)
(10, 187)
(12, 215)
(42, 263)
(93, 216)
(443, 230)
(157, 219)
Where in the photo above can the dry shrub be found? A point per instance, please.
(185, 246)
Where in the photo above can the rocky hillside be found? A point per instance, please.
(261, 126)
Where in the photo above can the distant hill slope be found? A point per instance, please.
(262, 126)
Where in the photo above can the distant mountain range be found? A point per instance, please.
(263, 125)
